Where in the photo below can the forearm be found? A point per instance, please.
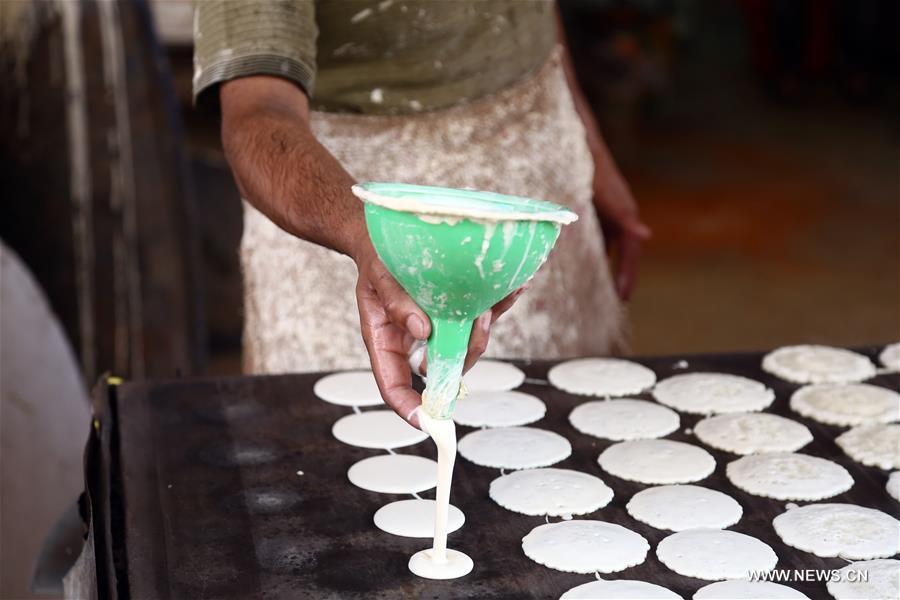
(283, 171)
(582, 107)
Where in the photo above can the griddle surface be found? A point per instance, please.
(206, 484)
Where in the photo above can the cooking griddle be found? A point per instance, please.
(206, 500)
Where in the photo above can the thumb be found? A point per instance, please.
(400, 308)
(636, 228)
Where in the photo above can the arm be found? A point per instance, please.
(282, 170)
(622, 227)
(290, 177)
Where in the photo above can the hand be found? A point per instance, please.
(623, 230)
(391, 322)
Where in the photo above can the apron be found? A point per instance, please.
(526, 140)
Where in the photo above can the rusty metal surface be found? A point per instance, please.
(213, 505)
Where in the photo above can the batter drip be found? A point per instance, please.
(439, 562)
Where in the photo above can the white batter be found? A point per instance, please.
(445, 203)
(414, 518)
(738, 589)
(713, 393)
(847, 404)
(715, 554)
(440, 562)
(818, 364)
(845, 530)
(752, 433)
(789, 476)
(873, 445)
(680, 507)
(657, 461)
(625, 419)
(890, 357)
(893, 485)
(619, 589)
(380, 429)
(883, 581)
(350, 388)
(394, 474)
(498, 409)
(585, 546)
(493, 376)
(514, 447)
(552, 492)
(601, 377)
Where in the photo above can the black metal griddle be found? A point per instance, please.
(194, 492)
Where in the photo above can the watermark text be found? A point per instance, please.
(811, 575)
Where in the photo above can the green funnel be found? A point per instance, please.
(457, 253)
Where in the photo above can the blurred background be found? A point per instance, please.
(761, 139)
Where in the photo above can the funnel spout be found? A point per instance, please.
(447, 349)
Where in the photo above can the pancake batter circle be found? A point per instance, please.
(873, 445)
(514, 447)
(601, 377)
(890, 357)
(845, 530)
(349, 388)
(847, 404)
(551, 492)
(752, 433)
(818, 364)
(715, 554)
(394, 474)
(457, 565)
(713, 393)
(657, 461)
(624, 419)
(585, 546)
(681, 507)
(619, 589)
(883, 580)
(893, 485)
(739, 589)
(379, 429)
(414, 518)
(498, 409)
(788, 476)
(493, 376)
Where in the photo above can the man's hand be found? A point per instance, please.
(623, 230)
(290, 177)
(391, 322)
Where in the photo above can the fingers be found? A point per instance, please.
(623, 239)
(622, 226)
(629, 256)
(507, 303)
(478, 341)
(635, 228)
(387, 345)
(404, 401)
(400, 308)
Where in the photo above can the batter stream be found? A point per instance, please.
(440, 562)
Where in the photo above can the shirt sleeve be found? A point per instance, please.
(238, 38)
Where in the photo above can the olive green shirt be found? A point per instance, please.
(374, 57)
